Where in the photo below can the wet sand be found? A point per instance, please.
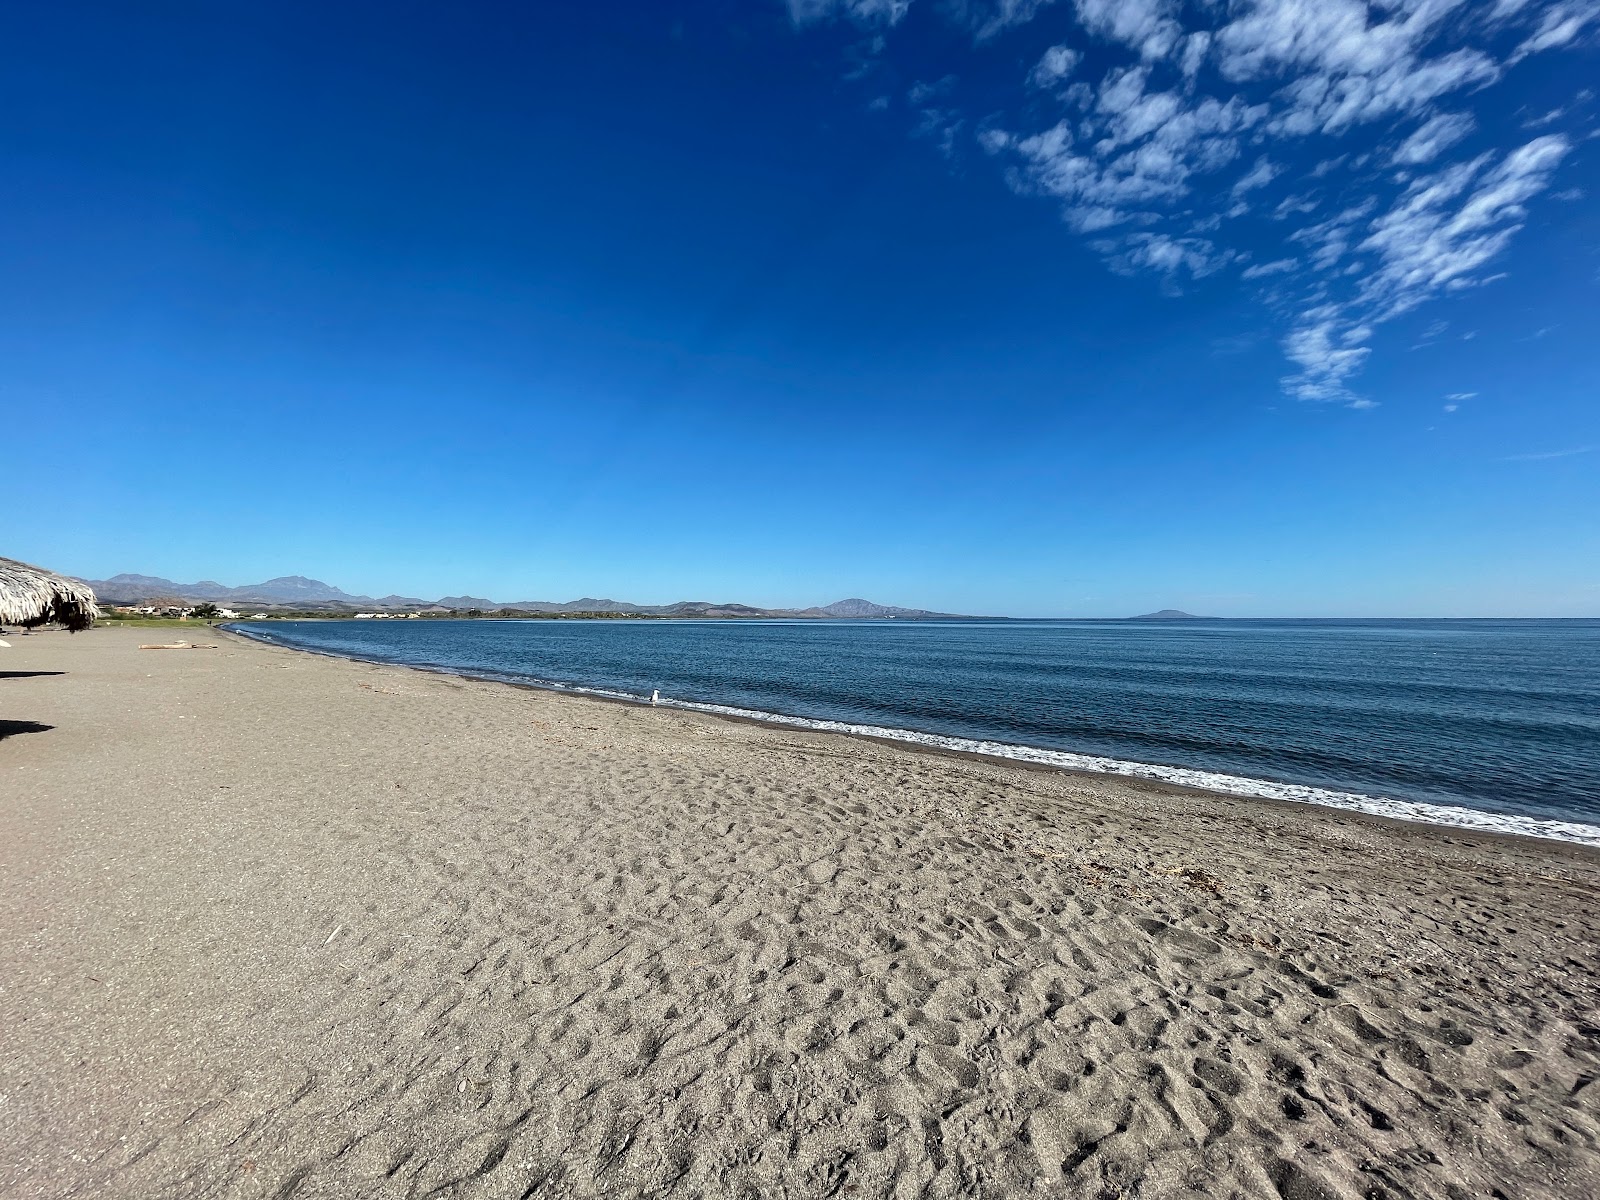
(273, 924)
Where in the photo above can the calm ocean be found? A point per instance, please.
(1489, 724)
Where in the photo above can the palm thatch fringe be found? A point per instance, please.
(31, 596)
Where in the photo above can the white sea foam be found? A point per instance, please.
(1449, 815)
(1211, 781)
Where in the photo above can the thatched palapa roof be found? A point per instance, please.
(31, 596)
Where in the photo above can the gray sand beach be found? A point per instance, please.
(277, 925)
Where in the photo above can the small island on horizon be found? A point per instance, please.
(1170, 614)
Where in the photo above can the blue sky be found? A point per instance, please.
(1281, 307)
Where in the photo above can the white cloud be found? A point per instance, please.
(1133, 112)
(1329, 240)
(1345, 69)
(1506, 8)
(1331, 36)
(1193, 55)
(1435, 238)
(1055, 65)
(940, 125)
(987, 20)
(1428, 242)
(1560, 24)
(1326, 355)
(1548, 118)
(1258, 176)
(1150, 148)
(1434, 137)
(1552, 454)
(1194, 256)
(1147, 26)
(1092, 218)
(886, 12)
(1461, 396)
(921, 91)
(1294, 205)
(1134, 155)
(1329, 103)
(1279, 266)
(994, 140)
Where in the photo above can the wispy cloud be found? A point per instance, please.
(886, 12)
(938, 122)
(1327, 354)
(1447, 226)
(1149, 27)
(1551, 454)
(1559, 24)
(1433, 137)
(1174, 258)
(1278, 266)
(1237, 343)
(1258, 176)
(923, 91)
(1173, 158)
(1547, 118)
(1055, 65)
(986, 19)
(1432, 334)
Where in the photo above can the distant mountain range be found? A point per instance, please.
(297, 593)
(1168, 614)
(287, 591)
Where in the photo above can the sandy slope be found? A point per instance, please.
(273, 925)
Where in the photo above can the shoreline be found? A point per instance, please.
(1457, 817)
(289, 924)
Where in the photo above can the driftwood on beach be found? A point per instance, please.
(31, 596)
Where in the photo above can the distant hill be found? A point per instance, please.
(467, 602)
(297, 592)
(286, 591)
(856, 607)
(296, 589)
(1168, 614)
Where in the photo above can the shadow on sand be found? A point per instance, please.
(7, 728)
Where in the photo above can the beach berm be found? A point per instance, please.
(276, 924)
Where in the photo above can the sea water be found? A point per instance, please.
(1491, 724)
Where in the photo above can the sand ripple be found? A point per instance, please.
(353, 930)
